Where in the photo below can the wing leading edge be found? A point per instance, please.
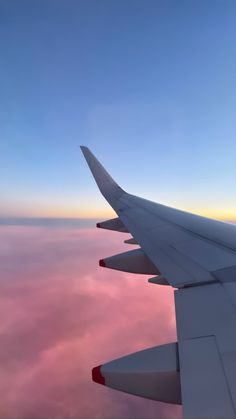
(197, 256)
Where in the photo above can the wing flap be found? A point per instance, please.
(204, 387)
(207, 310)
(209, 255)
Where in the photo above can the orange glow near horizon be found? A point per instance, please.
(90, 214)
(96, 207)
(223, 214)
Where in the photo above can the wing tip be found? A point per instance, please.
(84, 148)
(108, 187)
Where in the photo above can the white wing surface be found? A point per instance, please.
(197, 256)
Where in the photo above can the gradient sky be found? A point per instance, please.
(149, 86)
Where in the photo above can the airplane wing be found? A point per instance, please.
(196, 256)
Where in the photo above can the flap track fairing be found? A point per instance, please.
(152, 373)
(134, 261)
(114, 224)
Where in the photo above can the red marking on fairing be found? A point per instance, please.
(102, 263)
(98, 225)
(97, 376)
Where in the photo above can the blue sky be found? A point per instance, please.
(149, 86)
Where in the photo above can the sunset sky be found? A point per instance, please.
(149, 86)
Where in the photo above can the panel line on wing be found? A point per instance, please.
(186, 229)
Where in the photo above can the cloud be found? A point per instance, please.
(60, 315)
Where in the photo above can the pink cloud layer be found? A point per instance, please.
(60, 315)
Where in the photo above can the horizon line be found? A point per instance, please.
(12, 218)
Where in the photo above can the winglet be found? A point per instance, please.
(108, 187)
